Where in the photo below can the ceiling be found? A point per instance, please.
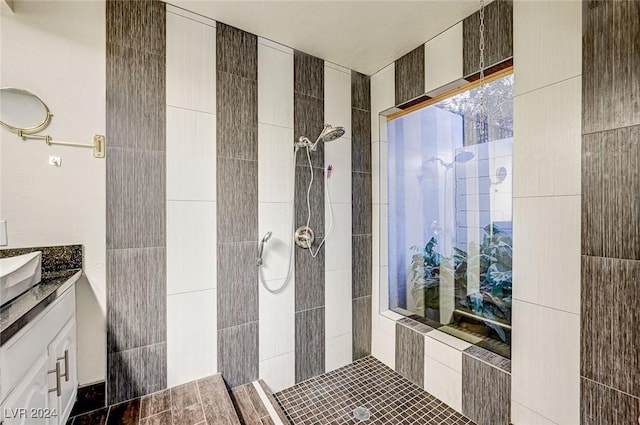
(361, 35)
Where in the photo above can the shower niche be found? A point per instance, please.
(450, 214)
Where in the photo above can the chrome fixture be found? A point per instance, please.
(304, 237)
(264, 240)
(328, 134)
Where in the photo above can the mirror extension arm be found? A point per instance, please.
(98, 144)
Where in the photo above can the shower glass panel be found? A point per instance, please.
(450, 215)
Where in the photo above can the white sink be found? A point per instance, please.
(18, 274)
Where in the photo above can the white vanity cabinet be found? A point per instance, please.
(38, 383)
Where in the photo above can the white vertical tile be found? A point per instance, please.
(449, 355)
(520, 415)
(383, 339)
(191, 246)
(546, 362)
(338, 243)
(443, 60)
(338, 352)
(275, 164)
(276, 320)
(546, 149)
(191, 337)
(384, 235)
(443, 382)
(191, 155)
(338, 154)
(383, 289)
(549, 277)
(277, 255)
(279, 372)
(275, 86)
(337, 97)
(547, 43)
(383, 96)
(191, 64)
(337, 303)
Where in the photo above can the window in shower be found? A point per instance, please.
(450, 215)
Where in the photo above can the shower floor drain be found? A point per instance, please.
(361, 414)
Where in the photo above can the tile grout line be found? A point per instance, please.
(201, 402)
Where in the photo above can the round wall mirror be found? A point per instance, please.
(22, 111)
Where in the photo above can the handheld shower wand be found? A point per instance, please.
(264, 240)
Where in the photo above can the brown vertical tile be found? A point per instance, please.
(310, 343)
(361, 255)
(486, 392)
(308, 75)
(409, 74)
(611, 66)
(360, 91)
(498, 36)
(361, 198)
(136, 372)
(237, 279)
(236, 52)
(237, 117)
(238, 353)
(361, 327)
(308, 121)
(410, 354)
(237, 200)
(600, 405)
(360, 140)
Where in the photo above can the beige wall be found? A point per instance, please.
(57, 50)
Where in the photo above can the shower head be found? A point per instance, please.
(464, 156)
(330, 133)
(267, 236)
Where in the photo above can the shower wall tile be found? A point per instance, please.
(362, 268)
(308, 120)
(547, 44)
(191, 155)
(238, 354)
(382, 98)
(310, 343)
(611, 182)
(237, 277)
(136, 198)
(611, 329)
(136, 277)
(338, 154)
(275, 86)
(237, 195)
(611, 66)
(316, 199)
(482, 406)
(134, 373)
(361, 327)
(601, 405)
(191, 339)
(236, 52)
(498, 35)
(360, 91)
(310, 278)
(337, 99)
(410, 354)
(191, 63)
(361, 141)
(138, 25)
(135, 98)
(409, 75)
(237, 114)
(308, 75)
(361, 203)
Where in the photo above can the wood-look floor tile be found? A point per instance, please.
(126, 413)
(185, 404)
(97, 417)
(163, 418)
(246, 411)
(155, 403)
(218, 408)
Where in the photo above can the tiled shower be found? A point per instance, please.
(200, 121)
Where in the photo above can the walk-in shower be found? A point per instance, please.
(304, 236)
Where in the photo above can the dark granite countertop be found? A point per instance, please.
(22, 310)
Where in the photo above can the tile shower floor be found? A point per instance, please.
(390, 398)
